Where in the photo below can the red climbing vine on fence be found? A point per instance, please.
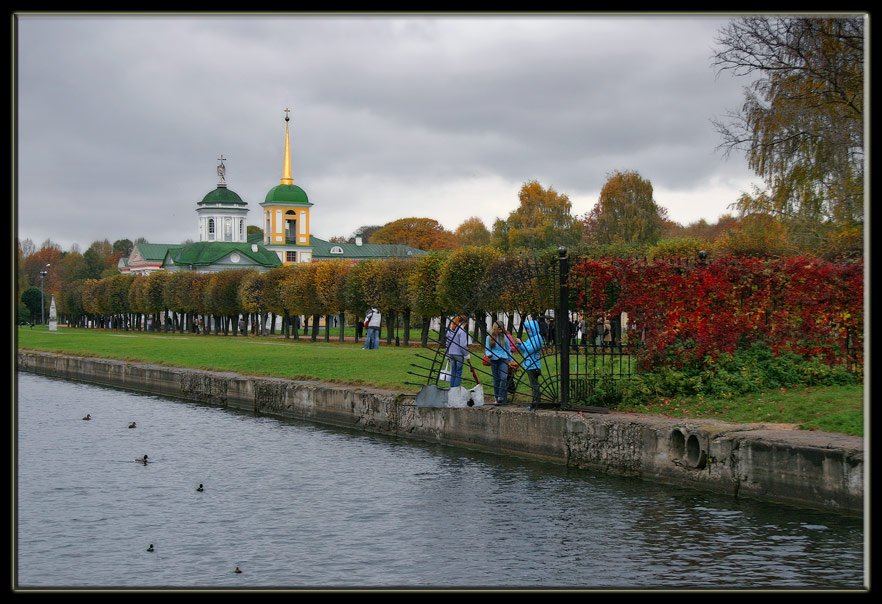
(689, 312)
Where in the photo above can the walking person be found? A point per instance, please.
(457, 348)
(497, 349)
(532, 362)
(372, 320)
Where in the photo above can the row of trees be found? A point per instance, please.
(686, 313)
(422, 288)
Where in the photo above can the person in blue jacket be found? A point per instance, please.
(497, 348)
(532, 362)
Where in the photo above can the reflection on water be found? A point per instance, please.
(298, 505)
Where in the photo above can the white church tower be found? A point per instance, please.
(222, 213)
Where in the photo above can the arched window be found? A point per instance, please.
(336, 250)
(211, 228)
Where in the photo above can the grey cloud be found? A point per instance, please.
(133, 112)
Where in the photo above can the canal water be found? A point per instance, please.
(295, 505)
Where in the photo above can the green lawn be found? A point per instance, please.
(275, 356)
(833, 408)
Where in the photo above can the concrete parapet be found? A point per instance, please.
(758, 461)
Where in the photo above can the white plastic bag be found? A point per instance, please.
(444, 376)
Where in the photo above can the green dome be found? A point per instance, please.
(287, 194)
(224, 196)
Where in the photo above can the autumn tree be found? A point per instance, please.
(463, 276)
(625, 212)
(472, 232)
(72, 267)
(702, 229)
(541, 220)
(421, 233)
(173, 297)
(801, 126)
(679, 247)
(138, 299)
(353, 293)
(756, 235)
(251, 296)
(391, 279)
(330, 282)
(273, 300)
(422, 287)
(152, 299)
(70, 303)
(95, 300)
(298, 292)
(118, 299)
(366, 231)
(122, 246)
(36, 262)
(183, 295)
(198, 284)
(222, 294)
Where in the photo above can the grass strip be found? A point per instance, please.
(829, 408)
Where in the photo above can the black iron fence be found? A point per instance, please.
(583, 359)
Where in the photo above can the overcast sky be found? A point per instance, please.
(121, 119)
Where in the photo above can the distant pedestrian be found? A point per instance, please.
(543, 327)
(372, 321)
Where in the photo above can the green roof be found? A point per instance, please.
(224, 196)
(155, 252)
(205, 253)
(321, 250)
(287, 194)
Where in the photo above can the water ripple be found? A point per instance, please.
(295, 504)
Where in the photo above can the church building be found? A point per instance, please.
(224, 244)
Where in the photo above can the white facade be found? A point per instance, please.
(222, 223)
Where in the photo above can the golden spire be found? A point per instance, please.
(286, 169)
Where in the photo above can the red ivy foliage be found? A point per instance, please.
(689, 312)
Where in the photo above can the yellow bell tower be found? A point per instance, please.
(286, 215)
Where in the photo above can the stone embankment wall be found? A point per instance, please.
(810, 469)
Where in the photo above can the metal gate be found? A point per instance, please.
(578, 371)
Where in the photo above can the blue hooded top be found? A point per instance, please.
(531, 346)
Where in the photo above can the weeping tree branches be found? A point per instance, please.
(801, 126)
